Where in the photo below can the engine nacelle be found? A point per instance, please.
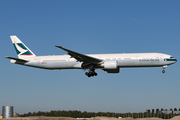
(111, 66)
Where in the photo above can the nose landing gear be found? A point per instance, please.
(164, 69)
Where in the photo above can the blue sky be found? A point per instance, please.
(102, 26)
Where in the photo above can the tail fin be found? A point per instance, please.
(21, 49)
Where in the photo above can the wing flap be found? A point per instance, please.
(81, 57)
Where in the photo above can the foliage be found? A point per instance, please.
(85, 114)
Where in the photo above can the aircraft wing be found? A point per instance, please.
(21, 60)
(81, 57)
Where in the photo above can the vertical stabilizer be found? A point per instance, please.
(21, 49)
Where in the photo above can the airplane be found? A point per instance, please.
(111, 63)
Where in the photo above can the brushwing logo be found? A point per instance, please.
(21, 49)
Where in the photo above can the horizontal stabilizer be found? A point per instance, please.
(21, 60)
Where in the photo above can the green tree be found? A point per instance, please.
(152, 112)
(157, 112)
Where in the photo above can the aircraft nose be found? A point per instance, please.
(175, 60)
(172, 60)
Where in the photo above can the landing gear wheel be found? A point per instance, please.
(163, 71)
(91, 73)
(95, 74)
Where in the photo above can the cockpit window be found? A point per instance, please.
(171, 57)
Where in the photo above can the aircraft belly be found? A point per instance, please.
(48, 65)
(55, 64)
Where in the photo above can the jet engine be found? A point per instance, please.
(111, 66)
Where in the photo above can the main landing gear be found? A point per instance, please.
(91, 73)
(164, 69)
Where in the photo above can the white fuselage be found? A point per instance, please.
(123, 60)
(74, 60)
